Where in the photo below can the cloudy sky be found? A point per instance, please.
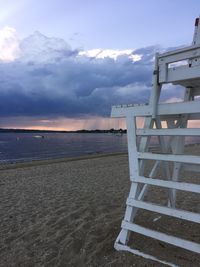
(64, 63)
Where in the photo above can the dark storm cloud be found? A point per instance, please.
(67, 84)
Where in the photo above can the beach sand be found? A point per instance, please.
(69, 212)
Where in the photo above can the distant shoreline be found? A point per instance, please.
(112, 130)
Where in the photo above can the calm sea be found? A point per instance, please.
(17, 147)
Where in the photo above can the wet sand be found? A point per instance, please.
(68, 213)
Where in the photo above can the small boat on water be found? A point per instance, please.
(39, 136)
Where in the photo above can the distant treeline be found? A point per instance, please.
(102, 131)
(2, 130)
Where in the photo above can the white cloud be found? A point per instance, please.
(42, 49)
(111, 53)
(9, 44)
(39, 48)
(135, 57)
(174, 100)
(50, 79)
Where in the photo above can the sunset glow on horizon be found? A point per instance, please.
(64, 124)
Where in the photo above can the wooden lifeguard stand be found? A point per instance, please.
(178, 67)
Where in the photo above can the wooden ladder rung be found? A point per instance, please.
(195, 188)
(170, 157)
(169, 132)
(177, 213)
(189, 245)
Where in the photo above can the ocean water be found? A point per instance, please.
(19, 147)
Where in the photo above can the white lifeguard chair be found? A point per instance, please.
(172, 158)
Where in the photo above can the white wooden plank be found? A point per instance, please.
(121, 247)
(187, 107)
(194, 116)
(179, 54)
(189, 245)
(155, 93)
(132, 146)
(182, 73)
(195, 188)
(133, 169)
(169, 132)
(177, 213)
(135, 110)
(170, 157)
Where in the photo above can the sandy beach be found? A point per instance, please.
(69, 212)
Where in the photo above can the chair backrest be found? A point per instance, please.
(179, 66)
